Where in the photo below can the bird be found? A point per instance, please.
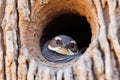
(60, 49)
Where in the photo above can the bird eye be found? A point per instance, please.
(58, 42)
(72, 45)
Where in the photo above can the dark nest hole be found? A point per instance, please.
(73, 25)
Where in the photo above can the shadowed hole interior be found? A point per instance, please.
(73, 25)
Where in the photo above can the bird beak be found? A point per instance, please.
(63, 51)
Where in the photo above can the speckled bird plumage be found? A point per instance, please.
(51, 54)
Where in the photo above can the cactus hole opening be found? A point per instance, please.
(73, 25)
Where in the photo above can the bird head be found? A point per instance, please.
(63, 44)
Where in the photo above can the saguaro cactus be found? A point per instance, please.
(21, 26)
